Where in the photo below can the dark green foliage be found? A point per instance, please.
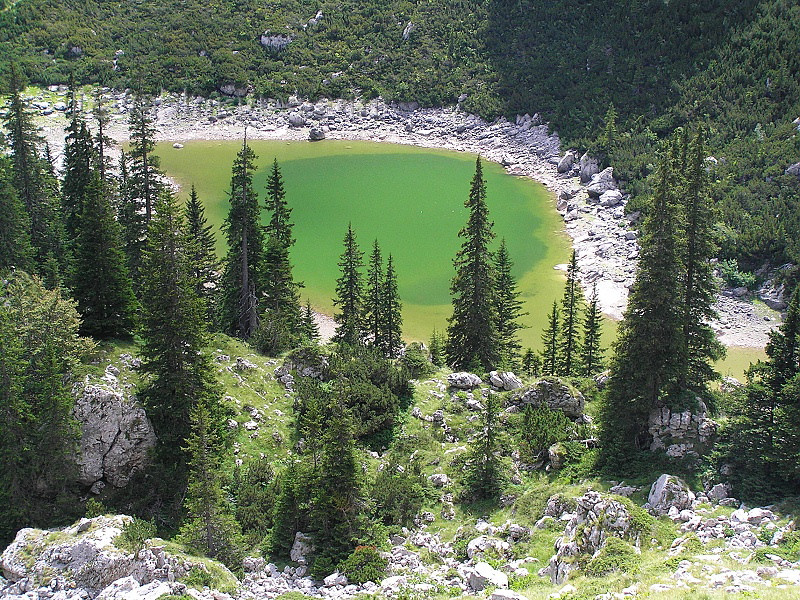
(540, 428)
(79, 154)
(364, 564)
(647, 353)
(255, 489)
(416, 361)
(399, 491)
(288, 515)
(550, 342)
(531, 362)
(202, 258)
(508, 309)
(15, 239)
(591, 353)
(210, 528)
(436, 349)
(615, 555)
(39, 353)
(309, 332)
(280, 289)
(273, 335)
(373, 298)
(131, 217)
(101, 283)
(135, 535)
(144, 185)
(178, 373)
(391, 313)
(472, 339)
(485, 471)
(242, 276)
(36, 186)
(571, 305)
(350, 293)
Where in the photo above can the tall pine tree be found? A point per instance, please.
(243, 274)
(131, 218)
(145, 177)
(472, 340)
(508, 309)
(200, 244)
(350, 293)
(78, 159)
(570, 320)
(550, 342)
(391, 318)
(373, 299)
(100, 282)
(15, 240)
(591, 351)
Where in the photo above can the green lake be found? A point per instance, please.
(412, 200)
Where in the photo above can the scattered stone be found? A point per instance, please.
(463, 380)
(667, 493)
(553, 393)
(504, 380)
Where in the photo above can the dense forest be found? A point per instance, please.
(266, 440)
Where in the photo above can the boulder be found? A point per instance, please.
(481, 544)
(589, 167)
(610, 198)
(301, 548)
(566, 162)
(296, 120)
(554, 393)
(596, 518)
(463, 380)
(773, 294)
(242, 364)
(116, 435)
(667, 493)
(316, 134)
(504, 380)
(439, 480)
(502, 594)
(484, 575)
(681, 434)
(601, 183)
(793, 170)
(718, 492)
(275, 42)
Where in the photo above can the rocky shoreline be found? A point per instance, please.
(593, 208)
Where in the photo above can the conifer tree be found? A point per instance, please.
(373, 299)
(485, 474)
(701, 346)
(144, 175)
(200, 244)
(78, 158)
(15, 241)
(391, 322)
(280, 289)
(102, 141)
(242, 278)
(100, 282)
(40, 352)
(647, 354)
(591, 352)
(570, 320)
(211, 528)
(508, 309)
(550, 342)
(530, 362)
(179, 375)
(350, 293)
(472, 341)
(308, 326)
(436, 348)
(132, 222)
(36, 186)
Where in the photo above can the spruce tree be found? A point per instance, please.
(472, 340)
(350, 293)
(200, 244)
(508, 309)
(102, 141)
(131, 218)
(570, 320)
(391, 322)
(243, 273)
(373, 299)
(550, 342)
(100, 282)
(280, 289)
(591, 352)
(211, 528)
(15, 240)
(436, 348)
(145, 183)
(485, 476)
(36, 186)
(701, 346)
(178, 373)
(78, 159)
(648, 351)
(308, 326)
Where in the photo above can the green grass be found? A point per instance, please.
(411, 199)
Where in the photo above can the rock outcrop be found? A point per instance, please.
(504, 380)
(553, 393)
(669, 495)
(116, 435)
(683, 434)
(463, 380)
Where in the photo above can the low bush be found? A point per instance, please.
(135, 534)
(364, 564)
(616, 555)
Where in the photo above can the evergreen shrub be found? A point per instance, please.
(616, 555)
(364, 564)
(135, 534)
